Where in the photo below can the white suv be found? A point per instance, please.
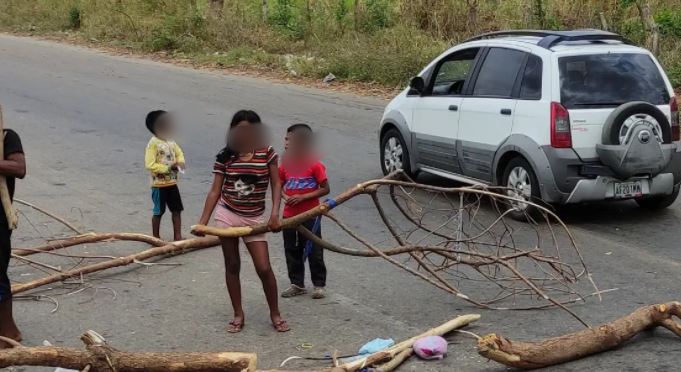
(563, 117)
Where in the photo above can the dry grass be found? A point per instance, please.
(382, 41)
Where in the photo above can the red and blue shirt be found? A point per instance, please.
(298, 179)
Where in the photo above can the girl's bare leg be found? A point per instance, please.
(230, 250)
(261, 261)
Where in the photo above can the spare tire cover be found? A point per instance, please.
(613, 125)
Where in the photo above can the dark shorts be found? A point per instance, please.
(5, 250)
(170, 196)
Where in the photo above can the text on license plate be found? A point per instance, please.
(628, 189)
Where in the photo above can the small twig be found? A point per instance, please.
(49, 214)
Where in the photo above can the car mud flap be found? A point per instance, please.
(642, 154)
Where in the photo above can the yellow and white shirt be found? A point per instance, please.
(159, 159)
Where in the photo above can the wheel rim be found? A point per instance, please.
(634, 120)
(519, 186)
(393, 155)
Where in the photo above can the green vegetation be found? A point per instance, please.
(384, 41)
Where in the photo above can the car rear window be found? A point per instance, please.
(609, 80)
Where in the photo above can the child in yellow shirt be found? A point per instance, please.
(164, 159)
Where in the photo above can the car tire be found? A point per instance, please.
(521, 182)
(394, 153)
(613, 127)
(659, 202)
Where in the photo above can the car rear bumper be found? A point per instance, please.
(575, 181)
(603, 188)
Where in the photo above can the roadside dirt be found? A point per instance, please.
(349, 87)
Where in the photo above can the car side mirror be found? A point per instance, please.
(417, 85)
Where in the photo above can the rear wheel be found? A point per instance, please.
(394, 153)
(659, 202)
(521, 184)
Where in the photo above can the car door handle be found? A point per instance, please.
(506, 111)
(453, 108)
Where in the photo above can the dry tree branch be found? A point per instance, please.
(448, 243)
(573, 346)
(183, 246)
(98, 356)
(468, 241)
(49, 214)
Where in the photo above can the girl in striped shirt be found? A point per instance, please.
(244, 170)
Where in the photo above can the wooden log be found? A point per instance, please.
(5, 198)
(287, 223)
(100, 357)
(182, 246)
(90, 238)
(573, 346)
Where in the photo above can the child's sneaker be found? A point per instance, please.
(293, 291)
(318, 293)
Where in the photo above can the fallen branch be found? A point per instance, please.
(90, 238)
(182, 246)
(552, 351)
(462, 246)
(49, 214)
(98, 356)
(398, 351)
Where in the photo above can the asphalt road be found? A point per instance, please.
(80, 115)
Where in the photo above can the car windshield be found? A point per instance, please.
(608, 80)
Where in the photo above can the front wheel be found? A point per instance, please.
(659, 202)
(394, 153)
(521, 184)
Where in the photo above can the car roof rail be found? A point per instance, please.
(551, 38)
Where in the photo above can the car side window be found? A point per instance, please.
(530, 87)
(452, 72)
(498, 73)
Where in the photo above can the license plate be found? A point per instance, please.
(628, 189)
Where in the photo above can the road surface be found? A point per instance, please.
(80, 114)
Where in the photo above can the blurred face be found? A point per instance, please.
(247, 137)
(165, 126)
(299, 142)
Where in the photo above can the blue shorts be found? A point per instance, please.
(166, 196)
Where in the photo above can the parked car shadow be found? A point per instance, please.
(604, 213)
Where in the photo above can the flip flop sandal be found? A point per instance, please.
(235, 327)
(281, 326)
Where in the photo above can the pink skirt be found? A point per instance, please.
(226, 218)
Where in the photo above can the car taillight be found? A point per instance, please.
(674, 108)
(561, 136)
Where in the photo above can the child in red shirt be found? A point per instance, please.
(304, 181)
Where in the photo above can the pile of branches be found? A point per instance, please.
(458, 239)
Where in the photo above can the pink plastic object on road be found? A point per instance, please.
(431, 347)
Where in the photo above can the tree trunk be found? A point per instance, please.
(472, 21)
(530, 355)
(651, 27)
(540, 13)
(215, 8)
(265, 11)
(101, 357)
(356, 14)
